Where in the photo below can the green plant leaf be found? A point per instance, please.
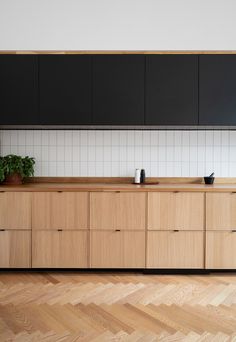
(16, 164)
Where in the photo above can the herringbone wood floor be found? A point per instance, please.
(74, 306)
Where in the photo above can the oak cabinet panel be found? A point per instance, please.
(175, 210)
(59, 249)
(117, 249)
(220, 250)
(183, 249)
(221, 211)
(15, 248)
(60, 210)
(15, 210)
(103, 210)
(112, 210)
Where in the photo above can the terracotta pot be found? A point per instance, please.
(13, 179)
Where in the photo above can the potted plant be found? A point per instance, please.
(13, 169)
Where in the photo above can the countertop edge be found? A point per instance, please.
(46, 187)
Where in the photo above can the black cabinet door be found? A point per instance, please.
(65, 84)
(118, 89)
(217, 90)
(18, 90)
(171, 90)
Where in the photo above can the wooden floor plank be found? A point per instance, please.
(116, 306)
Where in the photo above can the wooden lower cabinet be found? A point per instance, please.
(169, 249)
(221, 211)
(117, 210)
(117, 249)
(59, 249)
(220, 250)
(176, 210)
(60, 210)
(15, 210)
(15, 249)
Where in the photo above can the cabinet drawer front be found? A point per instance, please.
(15, 210)
(117, 210)
(103, 210)
(111, 249)
(221, 211)
(60, 210)
(59, 249)
(175, 249)
(220, 250)
(175, 210)
(15, 248)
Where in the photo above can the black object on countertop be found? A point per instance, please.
(209, 179)
(142, 176)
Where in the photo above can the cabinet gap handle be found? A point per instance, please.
(2, 191)
(59, 191)
(59, 230)
(176, 192)
(176, 230)
(2, 230)
(233, 230)
(117, 230)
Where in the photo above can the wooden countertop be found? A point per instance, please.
(34, 187)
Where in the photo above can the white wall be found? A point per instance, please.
(117, 25)
(118, 153)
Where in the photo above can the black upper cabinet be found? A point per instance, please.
(171, 90)
(65, 83)
(126, 90)
(18, 90)
(118, 89)
(217, 90)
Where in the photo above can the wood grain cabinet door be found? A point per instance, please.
(60, 210)
(131, 211)
(15, 248)
(183, 249)
(59, 249)
(15, 210)
(117, 249)
(220, 250)
(221, 211)
(117, 210)
(175, 210)
(103, 210)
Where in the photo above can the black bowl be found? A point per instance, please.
(209, 180)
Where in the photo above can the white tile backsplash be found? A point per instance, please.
(118, 153)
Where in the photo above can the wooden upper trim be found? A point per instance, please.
(117, 52)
